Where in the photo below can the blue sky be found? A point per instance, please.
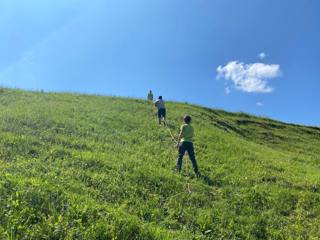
(256, 56)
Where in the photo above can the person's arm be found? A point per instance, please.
(179, 137)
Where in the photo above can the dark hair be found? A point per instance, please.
(160, 97)
(187, 119)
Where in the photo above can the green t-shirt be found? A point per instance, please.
(187, 133)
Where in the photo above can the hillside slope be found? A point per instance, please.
(93, 167)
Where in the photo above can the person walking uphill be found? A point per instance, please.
(185, 144)
(150, 96)
(159, 104)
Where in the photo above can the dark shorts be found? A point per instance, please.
(161, 112)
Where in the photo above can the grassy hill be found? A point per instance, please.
(94, 167)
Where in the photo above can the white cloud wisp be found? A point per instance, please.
(259, 104)
(262, 55)
(251, 78)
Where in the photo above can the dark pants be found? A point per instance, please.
(183, 147)
(162, 113)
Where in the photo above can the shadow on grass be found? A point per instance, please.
(211, 182)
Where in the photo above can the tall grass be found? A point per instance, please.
(93, 167)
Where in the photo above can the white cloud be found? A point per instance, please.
(259, 104)
(252, 78)
(262, 55)
(227, 90)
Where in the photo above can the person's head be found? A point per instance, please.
(160, 97)
(150, 91)
(187, 119)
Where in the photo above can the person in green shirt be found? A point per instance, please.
(185, 143)
(150, 96)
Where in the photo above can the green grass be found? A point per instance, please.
(92, 167)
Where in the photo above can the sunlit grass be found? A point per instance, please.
(93, 167)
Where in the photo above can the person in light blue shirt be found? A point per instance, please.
(159, 104)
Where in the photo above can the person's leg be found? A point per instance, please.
(181, 150)
(192, 157)
(164, 115)
(159, 115)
